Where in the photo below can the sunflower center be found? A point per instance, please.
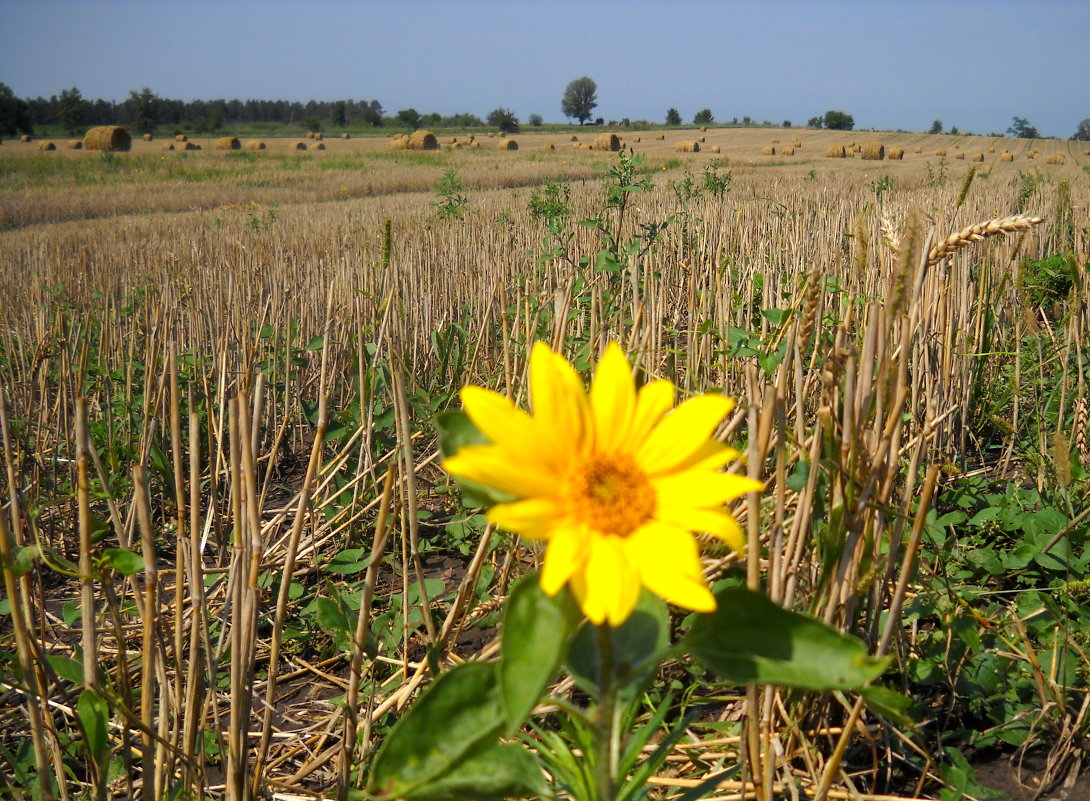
(611, 495)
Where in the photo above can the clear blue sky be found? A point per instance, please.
(970, 63)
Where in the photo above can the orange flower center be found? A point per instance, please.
(610, 494)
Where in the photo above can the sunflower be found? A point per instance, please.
(614, 482)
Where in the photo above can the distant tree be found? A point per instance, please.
(143, 110)
(535, 120)
(580, 97)
(599, 121)
(464, 120)
(703, 117)
(1021, 129)
(71, 111)
(747, 120)
(312, 123)
(839, 121)
(15, 116)
(1082, 133)
(504, 119)
(936, 127)
(409, 117)
(815, 122)
(340, 114)
(673, 117)
(372, 113)
(787, 123)
(954, 131)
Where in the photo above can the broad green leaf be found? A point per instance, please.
(331, 616)
(503, 771)
(124, 562)
(890, 704)
(94, 715)
(457, 718)
(535, 630)
(750, 640)
(66, 668)
(349, 561)
(605, 262)
(22, 561)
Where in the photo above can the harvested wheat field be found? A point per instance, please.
(236, 548)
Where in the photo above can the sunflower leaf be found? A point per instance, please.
(503, 771)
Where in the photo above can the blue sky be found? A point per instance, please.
(891, 65)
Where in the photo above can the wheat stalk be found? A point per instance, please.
(982, 230)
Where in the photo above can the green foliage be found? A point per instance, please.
(703, 117)
(312, 122)
(580, 98)
(1082, 132)
(535, 121)
(1021, 129)
(450, 203)
(936, 127)
(71, 113)
(673, 117)
(838, 121)
(144, 110)
(15, 114)
(504, 119)
(409, 117)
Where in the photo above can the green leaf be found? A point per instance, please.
(890, 704)
(332, 616)
(66, 668)
(535, 630)
(749, 639)
(24, 557)
(606, 262)
(317, 343)
(456, 431)
(124, 562)
(94, 715)
(503, 771)
(349, 561)
(457, 718)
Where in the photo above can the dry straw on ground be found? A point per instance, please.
(873, 151)
(607, 141)
(107, 137)
(228, 143)
(688, 146)
(835, 152)
(422, 140)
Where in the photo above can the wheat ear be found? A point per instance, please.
(982, 230)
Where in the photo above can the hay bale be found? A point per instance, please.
(318, 146)
(607, 141)
(787, 150)
(635, 139)
(422, 140)
(768, 150)
(25, 138)
(873, 151)
(474, 144)
(346, 136)
(703, 127)
(317, 136)
(573, 138)
(716, 149)
(1056, 158)
(456, 146)
(181, 138)
(451, 140)
(299, 145)
(398, 143)
(107, 137)
(940, 152)
(191, 146)
(228, 143)
(46, 144)
(310, 135)
(895, 154)
(148, 137)
(960, 156)
(471, 139)
(775, 141)
(918, 149)
(991, 149)
(977, 157)
(689, 146)
(660, 137)
(549, 146)
(168, 145)
(796, 143)
(702, 139)
(75, 144)
(1006, 156)
(255, 144)
(509, 144)
(1031, 156)
(835, 152)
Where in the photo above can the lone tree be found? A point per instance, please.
(1082, 133)
(839, 121)
(673, 117)
(143, 110)
(70, 111)
(815, 122)
(580, 98)
(703, 117)
(504, 119)
(1021, 129)
(936, 127)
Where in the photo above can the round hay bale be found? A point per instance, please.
(148, 137)
(25, 138)
(1006, 156)
(960, 156)
(451, 140)
(471, 139)
(774, 141)
(255, 144)
(318, 146)
(1031, 156)
(317, 136)
(715, 149)
(509, 144)
(991, 149)
(896, 154)
(474, 144)
(660, 137)
(75, 144)
(456, 146)
(1056, 158)
(835, 152)
(346, 136)
(940, 152)
(689, 146)
(310, 135)
(796, 143)
(168, 145)
(977, 157)
(181, 138)
(46, 144)
(918, 149)
(423, 140)
(491, 134)
(873, 151)
(573, 138)
(703, 127)
(398, 143)
(191, 146)
(787, 150)
(702, 139)
(635, 139)
(299, 145)
(107, 137)
(228, 143)
(607, 141)
(768, 150)
(549, 146)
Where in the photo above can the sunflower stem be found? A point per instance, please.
(605, 762)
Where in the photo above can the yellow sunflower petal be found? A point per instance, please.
(494, 467)
(668, 562)
(712, 456)
(534, 518)
(557, 398)
(612, 399)
(565, 556)
(495, 415)
(683, 432)
(707, 521)
(696, 488)
(653, 400)
(612, 586)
